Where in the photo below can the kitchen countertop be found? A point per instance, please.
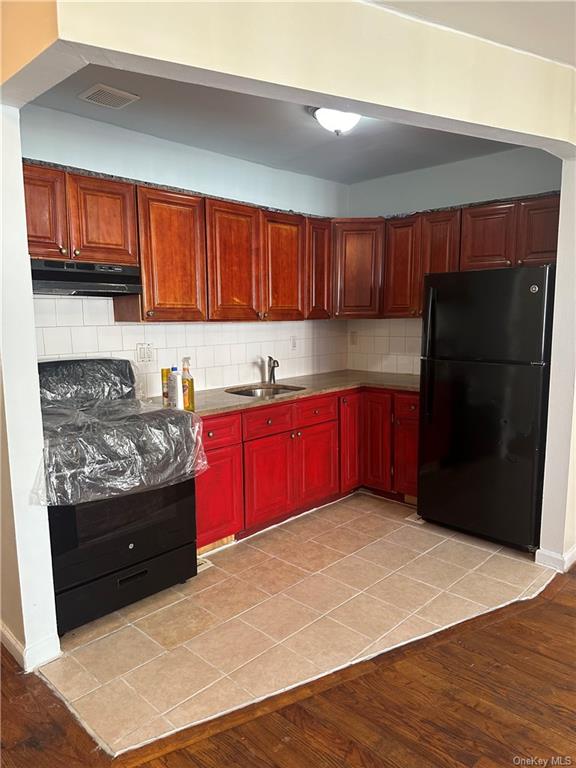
(215, 401)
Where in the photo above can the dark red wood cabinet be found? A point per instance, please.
(220, 495)
(268, 479)
(173, 257)
(406, 408)
(233, 260)
(358, 255)
(283, 266)
(316, 464)
(351, 439)
(46, 214)
(377, 440)
(319, 288)
(440, 249)
(537, 235)
(403, 267)
(102, 220)
(488, 236)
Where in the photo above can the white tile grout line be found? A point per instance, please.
(358, 657)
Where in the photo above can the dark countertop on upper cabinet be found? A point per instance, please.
(210, 402)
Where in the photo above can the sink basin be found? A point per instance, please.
(263, 390)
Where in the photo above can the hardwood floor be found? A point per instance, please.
(495, 690)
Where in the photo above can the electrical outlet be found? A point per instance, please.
(144, 353)
(293, 342)
(353, 338)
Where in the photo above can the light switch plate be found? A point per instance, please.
(144, 353)
(293, 342)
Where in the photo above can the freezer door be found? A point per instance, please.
(496, 315)
(482, 448)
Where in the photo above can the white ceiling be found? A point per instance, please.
(547, 28)
(274, 133)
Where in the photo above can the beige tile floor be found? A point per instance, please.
(317, 593)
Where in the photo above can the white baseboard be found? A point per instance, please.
(32, 656)
(560, 562)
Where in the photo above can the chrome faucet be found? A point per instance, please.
(272, 365)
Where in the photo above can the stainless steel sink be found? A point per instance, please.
(263, 390)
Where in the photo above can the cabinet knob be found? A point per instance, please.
(299, 434)
(210, 434)
(316, 411)
(508, 262)
(292, 436)
(412, 407)
(63, 250)
(265, 315)
(76, 252)
(150, 313)
(269, 422)
(520, 261)
(259, 315)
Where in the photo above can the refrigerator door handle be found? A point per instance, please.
(430, 321)
(428, 392)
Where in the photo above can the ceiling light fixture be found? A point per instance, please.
(336, 121)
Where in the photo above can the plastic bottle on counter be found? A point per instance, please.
(175, 395)
(187, 385)
(165, 384)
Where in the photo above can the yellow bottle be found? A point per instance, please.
(165, 377)
(187, 385)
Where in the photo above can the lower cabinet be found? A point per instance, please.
(350, 442)
(406, 444)
(219, 496)
(377, 437)
(291, 471)
(268, 478)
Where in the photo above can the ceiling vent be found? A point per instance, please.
(106, 96)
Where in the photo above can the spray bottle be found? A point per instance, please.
(175, 389)
(187, 385)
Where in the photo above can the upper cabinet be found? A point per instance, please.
(172, 255)
(233, 261)
(283, 266)
(440, 247)
(102, 220)
(46, 217)
(358, 255)
(488, 236)
(403, 270)
(319, 268)
(537, 235)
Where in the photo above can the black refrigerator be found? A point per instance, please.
(484, 392)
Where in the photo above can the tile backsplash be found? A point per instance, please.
(224, 354)
(389, 346)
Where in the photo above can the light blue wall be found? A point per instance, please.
(512, 173)
(59, 137)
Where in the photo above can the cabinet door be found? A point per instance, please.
(172, 255)
(488, 236)
(406, 456)
(219, 496)
(403, 270)
(283, 266)
(377, 440)
(440, 247)
(102, 217)
(233, 257)
(537, 234)
(46, 219)
(316, 469)
(319, 268)
(350, 440)
(358, 253)
(269, 478)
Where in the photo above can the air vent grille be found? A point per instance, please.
(106, 96)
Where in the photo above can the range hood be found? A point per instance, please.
(77, 278)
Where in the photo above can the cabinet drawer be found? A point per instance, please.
(221, 430)
(406, 406)
(315, 410)
(267, 421)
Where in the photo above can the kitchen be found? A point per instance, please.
(349, 297)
